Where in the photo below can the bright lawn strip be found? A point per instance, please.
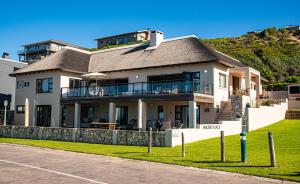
(206, 153)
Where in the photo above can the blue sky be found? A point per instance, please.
(80, 22)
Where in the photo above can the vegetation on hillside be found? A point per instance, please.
(275, 53)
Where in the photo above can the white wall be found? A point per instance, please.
(206, 131)
(266, 115)
(59, 79)
(7, 83)
(220, 94)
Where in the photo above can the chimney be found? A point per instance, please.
(5, 55)
(156, 37)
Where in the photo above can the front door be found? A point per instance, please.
(235, 83)
(43, 115)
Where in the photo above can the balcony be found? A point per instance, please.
(139, 88)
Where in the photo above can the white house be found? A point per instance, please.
(8, 84)
(177, 82)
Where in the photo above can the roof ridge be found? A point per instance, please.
(11, 60)
(180, 38)
(227, 56)
(117, 48)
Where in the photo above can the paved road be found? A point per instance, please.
(24, 164)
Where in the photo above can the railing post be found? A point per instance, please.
(117, 91)
(133, 92)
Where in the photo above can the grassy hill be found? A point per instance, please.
(275, 53)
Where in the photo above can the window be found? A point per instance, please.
(22, 84)
(44, 85)
(191, 75)
(294, 89)
(74, 83)
(160, 112)
(20, 109)
(222, 80)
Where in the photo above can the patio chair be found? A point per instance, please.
(132, 125)
(150, 124)
(158, 125)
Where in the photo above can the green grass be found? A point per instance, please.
(206, 153)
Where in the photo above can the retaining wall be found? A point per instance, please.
(97, 136)
(266, 115)
(205, 131)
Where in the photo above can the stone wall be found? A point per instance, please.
(239, 104)
(97, 136)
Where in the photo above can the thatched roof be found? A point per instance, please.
(180, 51)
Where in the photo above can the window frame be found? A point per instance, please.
(40, 88)
(220, 83)
(20, 112)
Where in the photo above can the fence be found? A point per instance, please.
(98, 136)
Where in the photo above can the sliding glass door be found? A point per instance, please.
(122, 115)
(182, 116)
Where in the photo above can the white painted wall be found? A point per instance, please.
(7, 83)
(266, 115)
(206, 131)
(60, 79)
(220, 94)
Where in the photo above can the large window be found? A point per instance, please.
(44, 85)
(222, 80)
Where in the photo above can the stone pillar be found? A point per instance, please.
(192, 114)
(112, 112)
(77, 114)
(140, 114)
(26, 119)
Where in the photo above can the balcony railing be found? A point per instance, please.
(139, 88)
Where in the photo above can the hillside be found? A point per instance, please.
(275, 53)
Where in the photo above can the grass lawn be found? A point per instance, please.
(206, 153)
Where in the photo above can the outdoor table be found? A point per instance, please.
(110, 126)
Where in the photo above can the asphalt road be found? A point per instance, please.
(24, 164)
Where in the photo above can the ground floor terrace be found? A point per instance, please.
(138, 114)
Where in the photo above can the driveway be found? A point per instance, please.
(24, 164)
